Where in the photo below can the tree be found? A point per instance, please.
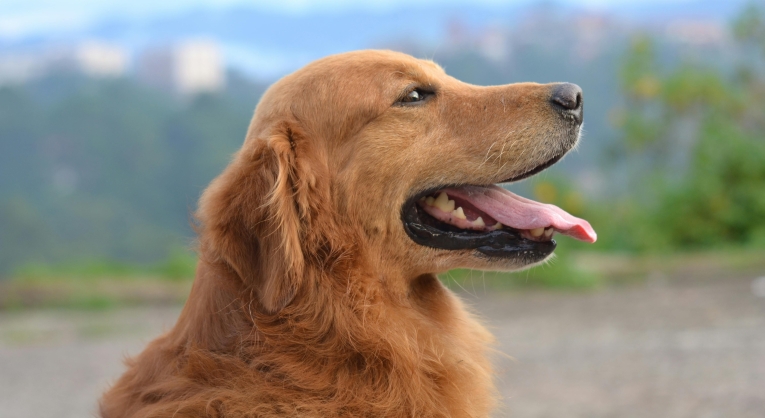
(699, 130)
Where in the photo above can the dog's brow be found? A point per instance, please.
(433, 64)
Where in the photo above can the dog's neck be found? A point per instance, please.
(222, 304)
(349, 334)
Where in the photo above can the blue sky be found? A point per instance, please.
(20, 18)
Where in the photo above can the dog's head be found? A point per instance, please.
(384, 156)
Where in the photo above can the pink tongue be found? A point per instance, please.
(520, 213)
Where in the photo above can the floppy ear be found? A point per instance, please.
(253, 216)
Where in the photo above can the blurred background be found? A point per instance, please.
(115, 115)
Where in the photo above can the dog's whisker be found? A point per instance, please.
(486, 157)
(501, 151)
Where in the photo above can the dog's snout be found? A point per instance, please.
(567, 98)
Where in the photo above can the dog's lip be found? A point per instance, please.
(536, 170)
(501, 244)
(531, 172)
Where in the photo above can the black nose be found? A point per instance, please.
(567, 99)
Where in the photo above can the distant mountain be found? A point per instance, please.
(269, 43)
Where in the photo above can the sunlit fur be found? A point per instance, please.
(309, 298)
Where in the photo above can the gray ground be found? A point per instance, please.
(662, 348)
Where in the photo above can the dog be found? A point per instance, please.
(362, 176)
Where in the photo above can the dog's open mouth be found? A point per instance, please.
(491, 220)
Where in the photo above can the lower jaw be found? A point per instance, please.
(501, 244)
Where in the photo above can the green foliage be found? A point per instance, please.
(106, 169)
(749, 27)
(99, 284)
(180, 265)
(700, 131)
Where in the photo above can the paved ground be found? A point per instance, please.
(662, 348)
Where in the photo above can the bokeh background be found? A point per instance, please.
(115, 115)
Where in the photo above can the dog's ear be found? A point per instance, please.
(253, 216)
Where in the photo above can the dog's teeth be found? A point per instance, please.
(459, 213)
(537, 232)
(442, 202)
(430, 201)
(479, 222)
(549, 232)
(496, 226)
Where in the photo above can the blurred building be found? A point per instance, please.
(91, 58)
(186, 68)
(698, 32)
(100, 59)
(17, 68)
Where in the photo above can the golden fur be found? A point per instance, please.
(309, 298)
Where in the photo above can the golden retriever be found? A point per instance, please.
(361, 177)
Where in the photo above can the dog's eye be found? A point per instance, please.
(415, 95)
